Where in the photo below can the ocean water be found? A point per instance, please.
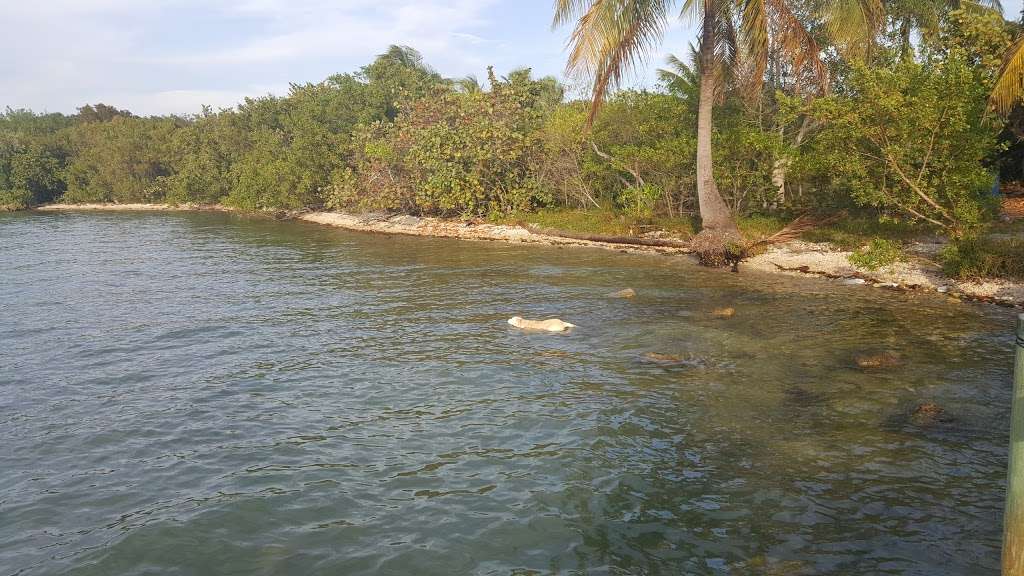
(206, 393)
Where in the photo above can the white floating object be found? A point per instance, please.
(852, 281)
(549, 325)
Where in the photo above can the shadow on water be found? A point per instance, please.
(204, 393)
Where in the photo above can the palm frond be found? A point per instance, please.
(798, 43)
(853, 24)
(469, 84)
(677, 72)
(794, 229)
(569, 10)
(772, 21)
(994, 5)
(754, 24)
(680, 78)
(727, 48)
(1009, 86)
(406, 56)
(692, 11)
(610, 38)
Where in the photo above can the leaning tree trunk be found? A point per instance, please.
(718, 234)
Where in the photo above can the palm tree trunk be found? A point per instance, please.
(779, 168)
(783, 162)
(714, 214)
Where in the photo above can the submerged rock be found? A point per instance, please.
(762, 565)
(879, 360)
(672, 360)
(802, 397)
(728, 312)
(659, 357)
(627, 293)
(927, 414)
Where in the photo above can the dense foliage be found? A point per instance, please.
(902, 136)
(457, 152)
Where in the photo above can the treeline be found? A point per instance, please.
(904, 135)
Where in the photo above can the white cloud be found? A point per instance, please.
(161, 56)
(170, 55)
(189, 101)
(435, 27)
(471, 38)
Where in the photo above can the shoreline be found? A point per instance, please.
(796, 258)
(139, 207)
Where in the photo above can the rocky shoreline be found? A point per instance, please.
(796, 258)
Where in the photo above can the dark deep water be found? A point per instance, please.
(212, 394)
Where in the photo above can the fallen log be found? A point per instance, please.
(631, 240)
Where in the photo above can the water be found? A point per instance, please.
(215, 394)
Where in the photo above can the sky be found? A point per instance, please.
(173, 56)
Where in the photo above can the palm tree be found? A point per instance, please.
(925, 17)
(1008, 90)
(612, 36)
(468, 84)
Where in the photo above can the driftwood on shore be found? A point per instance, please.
(633, 240)
(793, 230)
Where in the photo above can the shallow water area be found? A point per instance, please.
(210, 393)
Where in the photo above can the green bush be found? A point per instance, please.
(119, 161)
(14, 200)
(878, 254)
(451, 154)
(854, 231)
(639, 201)
(912, 139)
(977, 258)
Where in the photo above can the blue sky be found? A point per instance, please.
(172, 56)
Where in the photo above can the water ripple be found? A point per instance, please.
(210, 394)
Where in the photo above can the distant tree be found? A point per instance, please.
(37, 170)
(100, 113)
(452, 153)
(925, 17)
(267, 177)
(122, 160)
(400, 74)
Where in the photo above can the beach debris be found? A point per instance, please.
(727, 312)
(549, 325)
(879, 360)
(852, 281)
(627, 293)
